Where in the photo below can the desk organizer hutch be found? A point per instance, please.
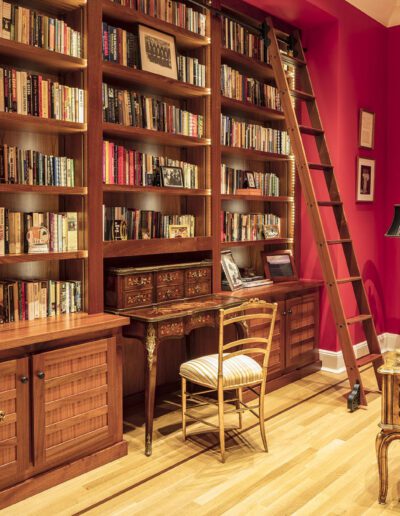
(51, 432)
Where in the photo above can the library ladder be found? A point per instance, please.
(324, 245)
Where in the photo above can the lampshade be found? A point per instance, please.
(394, 230)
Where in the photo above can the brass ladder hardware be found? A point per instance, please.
(314, 205)
(2, 415)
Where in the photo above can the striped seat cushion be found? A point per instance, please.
(238, 370)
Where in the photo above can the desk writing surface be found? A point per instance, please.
(183, 307)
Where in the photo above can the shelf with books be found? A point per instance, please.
(127, 15)
(42, 257)
(252, 67)
(263, 198)
(249, 110)
(121, 248)
(253, 155)
(27, 123)
(23, 55)
(154, 83)
(189, 192)
(156, 137)
(43, 190)
(58, 6)
(247, 243)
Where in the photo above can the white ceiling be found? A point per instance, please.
(386, 12)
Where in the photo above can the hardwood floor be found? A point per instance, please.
(321, 461)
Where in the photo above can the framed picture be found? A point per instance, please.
(271, 231)
(172, 177)
(231, 270)
(251, 183)
(157, 52)
(279, 266)
(179, 231)
(367, 129)
(365, 179)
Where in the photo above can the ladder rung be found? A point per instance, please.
(359, 318)
(368, 359)
(302, 95)
(293, 60)
(320, 166)
(310, 130)
(330, 203)
(340, 241)
(352, 279)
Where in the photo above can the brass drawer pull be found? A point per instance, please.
(2, 415)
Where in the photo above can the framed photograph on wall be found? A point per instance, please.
(157, 52)
(365, 179)
(279, 266)
(367, 129)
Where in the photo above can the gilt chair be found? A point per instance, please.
(232, 368)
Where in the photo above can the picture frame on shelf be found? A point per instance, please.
(251, 183)
(366, 129)
(365, 180)
(271, 231)
(172, 177)
(179, 231)
(157, 52)
(231, 270)
(279, 266)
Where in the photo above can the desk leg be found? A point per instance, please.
(151, 346)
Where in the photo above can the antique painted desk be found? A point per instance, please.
(154, 324)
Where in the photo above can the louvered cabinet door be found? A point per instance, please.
(302, 329)
(14, 420)
(74, 407)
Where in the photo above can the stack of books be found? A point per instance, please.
(60, 232)
(29, 167)
(242, 227)
(170, 11)
(233, 179)
(32, 94)
(240, 39)
(239, 87)
(24, 25)
(133, 109)
(122, 223)
(123, 166)
(236, 133)
(27, 300)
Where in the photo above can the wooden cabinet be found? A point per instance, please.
(14, 420)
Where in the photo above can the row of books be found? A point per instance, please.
(236, 133)
(124, 166)
(241, 227)
(190, 70)
(240, 39)
(120, 46)
(170, 11)
(232, 179)
(122, 223)
(32, 28)
(30, 94)
(29, 167)
(37, 232)
(246, 89)
(27, 300)
(133, 109)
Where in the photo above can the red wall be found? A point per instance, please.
(347, 55)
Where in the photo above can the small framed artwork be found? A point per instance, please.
(365, 179)
(179, 231)
(271, 231)
(157, 52)
(279, 266)
(367, 129)
(172, 177)
(251, 183)
(231, 270)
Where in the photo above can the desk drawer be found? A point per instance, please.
(164, 278)
(134, 298)
(198, 289)
(169, 293)
(138, 281)
(200, 274)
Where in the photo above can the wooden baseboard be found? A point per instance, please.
(43, 481)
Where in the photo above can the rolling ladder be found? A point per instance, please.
(304, 168)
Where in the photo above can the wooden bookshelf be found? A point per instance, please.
(121, 248)
(248, 243)
(263, 198)
(252, 155)
(43, 190)
(251, 67)
(158, 190)
(42, 257)
(250, 111)
(36, 124)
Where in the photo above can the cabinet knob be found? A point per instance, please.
(24, 379)
(284, 313)
(41, 375)
(290, 312)
(2, 415)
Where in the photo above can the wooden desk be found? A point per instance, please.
(160, 322)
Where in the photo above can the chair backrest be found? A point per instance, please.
(253, 310)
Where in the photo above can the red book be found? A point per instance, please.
(131, 168)
(120, 176)
(40, 99)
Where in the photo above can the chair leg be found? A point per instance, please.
(239, 396)
(261, 416)
(184, 408)
(221, 421)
